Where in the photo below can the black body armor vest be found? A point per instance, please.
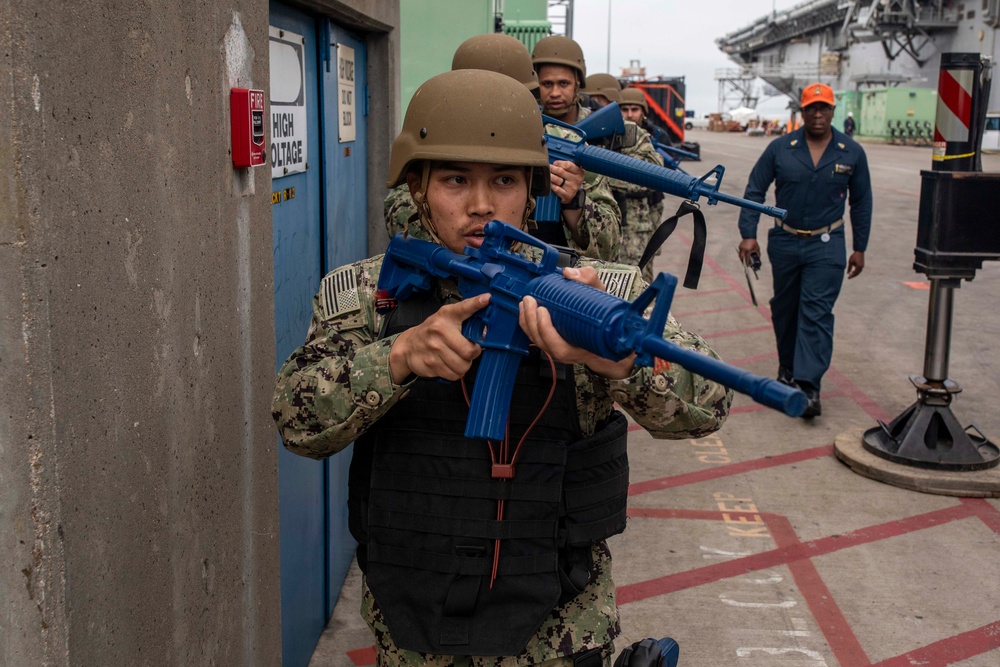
(423, 505)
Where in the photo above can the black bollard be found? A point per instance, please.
(954, 238)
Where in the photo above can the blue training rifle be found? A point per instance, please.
(667, 152)
(673, 150)
(653, 176)
(584, 316)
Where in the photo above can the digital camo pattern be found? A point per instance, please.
(401, 214)
(600, 224)
(334, 387)
(640, 218)
(590, 620)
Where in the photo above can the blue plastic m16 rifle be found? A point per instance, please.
(648, 175)
(673, 150)
(669, 161)
(586, 317)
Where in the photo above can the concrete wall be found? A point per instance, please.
(138, 503)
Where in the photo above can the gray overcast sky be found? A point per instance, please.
(670, 38)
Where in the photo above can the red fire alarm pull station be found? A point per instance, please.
(246, 111)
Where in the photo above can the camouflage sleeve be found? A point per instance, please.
(335, 386)
(671, 402)
(667, 400)
(643, 150)
(401, 213)
(600, 224)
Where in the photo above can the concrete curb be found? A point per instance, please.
(975, 484)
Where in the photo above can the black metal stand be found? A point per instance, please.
(956, 233)
(927, 434)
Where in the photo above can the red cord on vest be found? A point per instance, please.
(502, 467)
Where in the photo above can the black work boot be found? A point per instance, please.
(785, 376)
(813, 407)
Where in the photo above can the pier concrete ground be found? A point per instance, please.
(757, 547)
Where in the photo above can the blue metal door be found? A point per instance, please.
(319, 223)
(297, 227)
(345, 186)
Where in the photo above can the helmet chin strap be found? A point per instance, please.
(529, 207)
(420, 199)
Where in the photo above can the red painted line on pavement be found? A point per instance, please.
(836, 629)
(719, 272)
(950, 650)
(784, 555)
(663, 513)
(866, 402)
(985, 512)
(362, 656)
(735, 332)
(729, 470)
(702, 293)
(852, 391)
(693, 313)
(752, 360)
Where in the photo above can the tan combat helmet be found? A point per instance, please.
(636, 97)
(470, 116)
(497, 52)
(605, 85)
(559, 50)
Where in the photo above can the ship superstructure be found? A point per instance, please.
(858, 45)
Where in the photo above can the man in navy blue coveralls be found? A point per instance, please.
(814, 169)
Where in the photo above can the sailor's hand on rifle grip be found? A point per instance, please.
(436, 348)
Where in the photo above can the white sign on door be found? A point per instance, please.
(288, 103)
(347, 112)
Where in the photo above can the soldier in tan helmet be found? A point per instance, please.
(562, 72)
(603, 89)
(447, 579)
(497, 52)
(590, 214)
(641, 207)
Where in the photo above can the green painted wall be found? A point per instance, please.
(847, 100)
(430, 31)
(525, 10)
(882, 106)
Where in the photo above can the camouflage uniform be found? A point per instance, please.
(600, 223)
(333, 388)
(640, 219)
(339, 384)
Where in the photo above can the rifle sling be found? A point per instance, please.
(697, 256)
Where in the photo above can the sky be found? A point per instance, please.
(671, 38)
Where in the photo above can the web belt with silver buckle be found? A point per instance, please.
(808, 233)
